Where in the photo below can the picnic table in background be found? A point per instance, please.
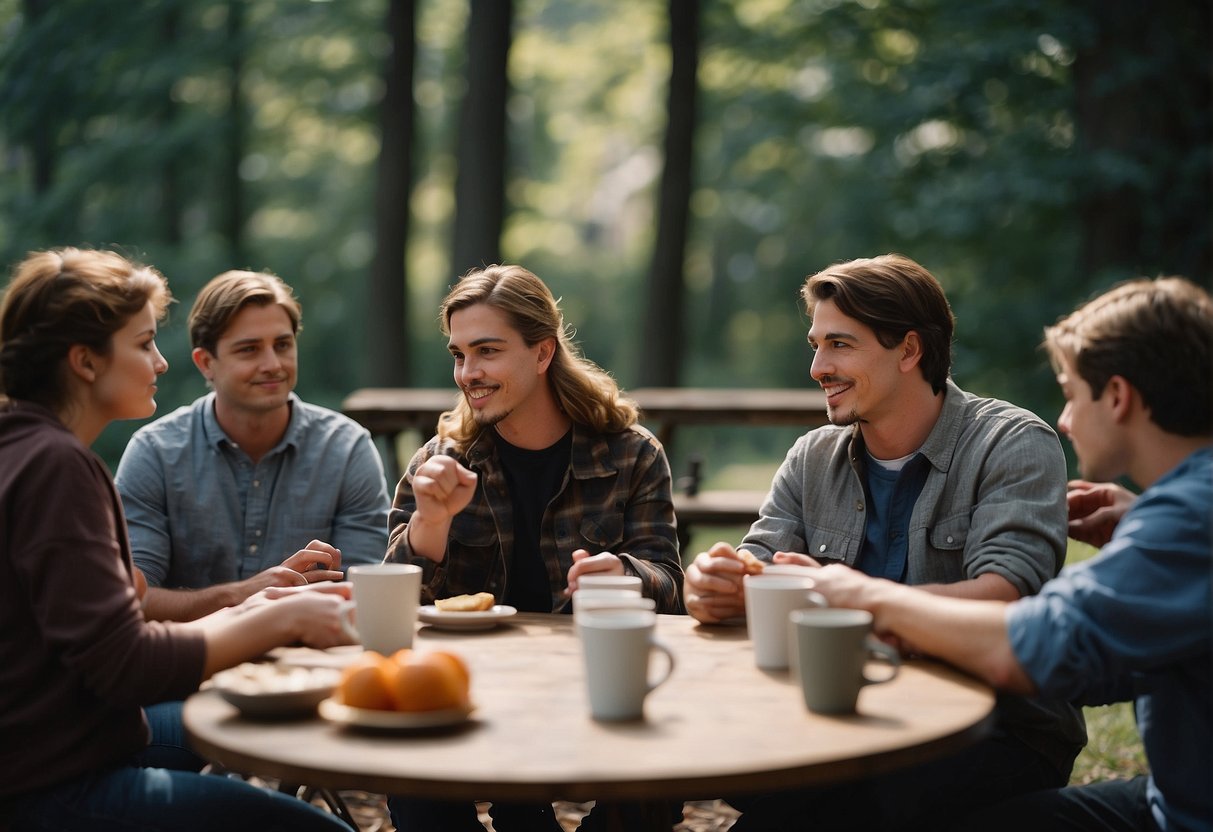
(387, 412)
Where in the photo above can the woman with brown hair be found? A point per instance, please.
(77, 351)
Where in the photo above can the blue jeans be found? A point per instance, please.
(927, 796)
(160, 789)
(1108, 806)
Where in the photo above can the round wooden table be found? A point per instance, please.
(719, 726)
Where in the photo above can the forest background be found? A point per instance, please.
(673, 170)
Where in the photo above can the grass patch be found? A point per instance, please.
(1114, 748)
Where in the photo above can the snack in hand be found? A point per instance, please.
(466, 603)
(753, 566)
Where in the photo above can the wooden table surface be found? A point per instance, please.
(718, 726)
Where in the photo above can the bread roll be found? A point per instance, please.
(466, 603)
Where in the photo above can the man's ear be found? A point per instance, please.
(1122, 397)
(547, 350)
(202, 360)
(82, 361)
(910, 351)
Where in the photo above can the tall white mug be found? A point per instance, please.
(386, 597)
(769, 599)
(631, 583)
(617, 644)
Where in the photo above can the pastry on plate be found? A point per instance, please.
(478, 602)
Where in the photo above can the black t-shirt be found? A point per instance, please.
(534, 478)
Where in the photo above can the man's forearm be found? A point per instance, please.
(162, 604)
(967, 633)
(985, 587)
(428, 540)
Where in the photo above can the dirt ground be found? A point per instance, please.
(370, 811)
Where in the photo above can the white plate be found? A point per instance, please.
(477, 620)
(334, 711)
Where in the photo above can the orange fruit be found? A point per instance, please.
(428, 681)
(457, 665)
(365, 683)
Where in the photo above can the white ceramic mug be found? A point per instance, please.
(386, 597)
(628, 582)
(599, 600)
(829, 650)
(617, 645)
(768, 601)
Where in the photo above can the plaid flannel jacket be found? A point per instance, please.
(616, 497)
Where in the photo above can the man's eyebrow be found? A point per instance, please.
(835, 336)
(488, 339)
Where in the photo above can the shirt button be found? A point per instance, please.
(821, 548)
(859, 505)
(951, 539)
(256, 483)
(257, 533)
(253, 548)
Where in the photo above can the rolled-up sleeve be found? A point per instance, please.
(360, 525)
(140, 481)
(1018, 522)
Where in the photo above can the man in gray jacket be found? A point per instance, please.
(916, 481)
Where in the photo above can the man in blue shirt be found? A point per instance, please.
(218, 494)
(1134, 622)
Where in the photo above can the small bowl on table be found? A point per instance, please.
(275, 691)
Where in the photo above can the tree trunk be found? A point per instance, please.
(235, 127)
(481, 143)
(41, 143)
(664, 326)
(388, 312)
(1142, 91)
(168, 196)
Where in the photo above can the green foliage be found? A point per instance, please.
(829, 129)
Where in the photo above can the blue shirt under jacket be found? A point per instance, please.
(1134, 622)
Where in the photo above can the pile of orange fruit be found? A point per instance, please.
(408, 680)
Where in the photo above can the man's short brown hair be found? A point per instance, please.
(225, 295)
(891, 295)
(1158, 336)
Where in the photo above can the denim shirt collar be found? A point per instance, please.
(217, 438)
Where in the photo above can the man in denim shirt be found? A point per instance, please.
(919, 482)
(1134, 622)
(538, 477)
(218, 494)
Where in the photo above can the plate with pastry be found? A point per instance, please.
(478, 611)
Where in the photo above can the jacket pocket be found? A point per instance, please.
(603, 533)
(830, 545)
(950, 535)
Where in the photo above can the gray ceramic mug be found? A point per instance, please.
(829, 648)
